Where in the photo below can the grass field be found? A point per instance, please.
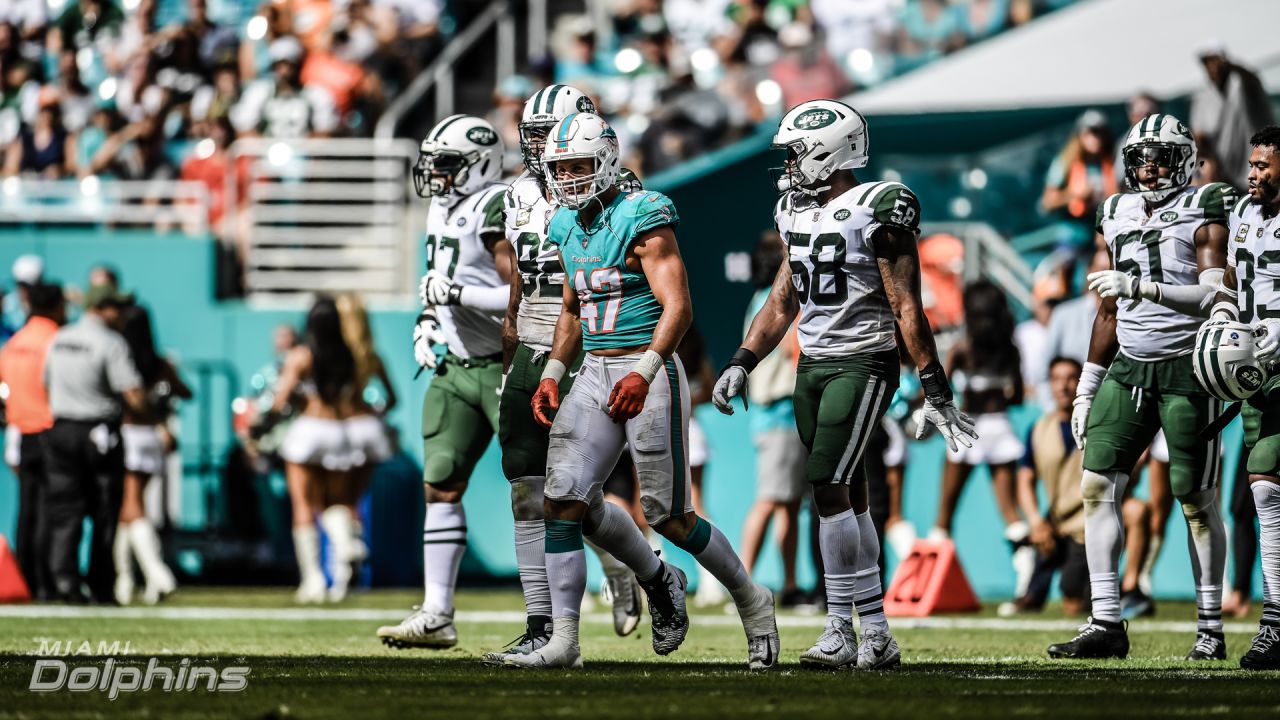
(325, 662)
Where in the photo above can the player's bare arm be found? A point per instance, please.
(510, 339)
(566, 346)
(773, 320)
(899, 263)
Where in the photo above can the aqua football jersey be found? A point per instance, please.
(617, 305)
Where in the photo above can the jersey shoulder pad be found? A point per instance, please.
(649, 209)
(488, 210)
(891, 203)
(1107, 210)
(1216, 200)
(628, 181)
(1241, 206)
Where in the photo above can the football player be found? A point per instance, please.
(464, 295)
(537, 291)
(853, 275)
(626, 302)
(1250, 293)
(1168, 244)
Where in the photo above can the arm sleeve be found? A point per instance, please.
(491, 299)
(122, 374)
(1194, 300)
(655, 210)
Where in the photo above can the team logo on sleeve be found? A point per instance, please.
(1243, 233)
(842, 214)
(522, 215)
(1168, 216)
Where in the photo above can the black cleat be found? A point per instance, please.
(1098, 639)
(1210, 645)
(1265, 653)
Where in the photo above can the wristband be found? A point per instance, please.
(744, 359)
(933, 379)
(455, 294)
(553, 371)
(648, 365)
(1090, 378)
(1226, 310)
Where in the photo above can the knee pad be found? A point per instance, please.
(526, 497)
(440, 466)
(1102, 487)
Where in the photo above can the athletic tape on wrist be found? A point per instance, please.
(1090, 379)
(648, 365)
(554, 370)
(1227, 309)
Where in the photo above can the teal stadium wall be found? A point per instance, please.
(725, 201)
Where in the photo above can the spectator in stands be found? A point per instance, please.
(1226, 111)
(210, 164)
(780, 455)
(415, 27)
(281, 106)
(18, 93)
(215, 100)
(28, 271)
(85, 23)
(806, 71)
(930, 29)
(1071, 322)
(1031, 337)
(866, 25)
(1082, 176)
(45, 149)
(28, 418)
(106, 122)
(980, 19)
(1057, 534)
(579, 66)
(27, 19)
(75, 101)
(272, 22)
(508, 106)
(148, 442)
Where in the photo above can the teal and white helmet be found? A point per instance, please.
(1224, 361)
(460, 155)
(819, 138)
(544, 109)
(1163, 141)
(581, 135)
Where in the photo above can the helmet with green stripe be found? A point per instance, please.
(580, 137)
(1160, 157)
(458, 157)
(1224, 361)
(544, 109)
(819, 137)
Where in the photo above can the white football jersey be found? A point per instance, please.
(843, 306)
(454, 248)
(1160, 248)
(1254, 253)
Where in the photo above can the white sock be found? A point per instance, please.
(337, 524)
(146, 547)
(1207, 542)
(838, 538)
(566, 568)
(868, 595)
(613, 530)
(1149, 564)
(1266, 498)
(1103, 539)
(123, 556)
(444, 541)
(531, 558)
(713, 552)
(306, 548)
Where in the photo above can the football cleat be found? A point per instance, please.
(666, 593)
(878, 649)
(550, 656)
(422, 629)
(1209, 645)
(312, 590)
(527, 643)
(760, 623)
(1265, 653)
(1098, 639)
(624, 594)
(836, 648)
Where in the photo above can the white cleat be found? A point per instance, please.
(551, 656)
(878, 650)
(162, 587)
(624, 596)
(311, 591)
(836, 648)
(422, 629)
(123, 589)
(759, 622)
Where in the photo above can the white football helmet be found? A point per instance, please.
(819, 138)
(460, 155)
(1224, 361)
(1163, 141)
(581, 135)
(543, 110)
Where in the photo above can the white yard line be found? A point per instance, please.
(301, 614)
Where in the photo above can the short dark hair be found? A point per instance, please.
(1064, 359)
(1269, 135)
(46, 299)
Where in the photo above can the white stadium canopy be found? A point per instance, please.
(1097, 51)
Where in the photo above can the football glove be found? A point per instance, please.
(426, 335)
(1113, 283)
(1080, 417)
(954, 425)
(627, 398)
(437, 289)
(731, 383)
(1267, 346)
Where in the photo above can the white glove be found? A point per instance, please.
(1267, 346)
(426, 335)
(954, 425)
(1113, 283)
(729, 385)
(437, 289)
(1080, 417)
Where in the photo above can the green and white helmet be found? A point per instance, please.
(1224, 361)
(544, 109)
(1163, 141)
(819, 138)
(581, 136)
(460, 155)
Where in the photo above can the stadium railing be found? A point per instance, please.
(91, 201)
(326, 215)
